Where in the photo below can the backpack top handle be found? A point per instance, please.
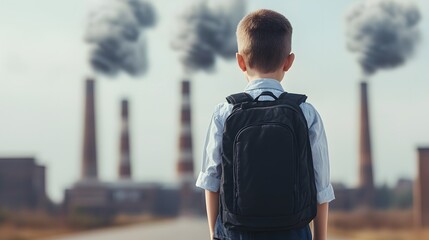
(265, 93)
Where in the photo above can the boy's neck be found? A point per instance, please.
(278, 75)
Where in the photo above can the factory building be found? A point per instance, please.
(22, 184)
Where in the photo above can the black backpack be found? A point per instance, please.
(267, 179)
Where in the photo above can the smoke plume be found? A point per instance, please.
(115, 34)
(206, 30)
(383, 33)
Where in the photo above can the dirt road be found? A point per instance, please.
(180, 229)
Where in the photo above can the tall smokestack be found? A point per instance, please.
(185, 163)
(421, 191)
(89, 153)
(124, 161)
(366, 179)
(384, 35)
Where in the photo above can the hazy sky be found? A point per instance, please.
(43, 62)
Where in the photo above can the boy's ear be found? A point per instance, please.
(288, 63)
(241, 62)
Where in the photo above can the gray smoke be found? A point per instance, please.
(206, 30)
(115, 35)
(383, 33)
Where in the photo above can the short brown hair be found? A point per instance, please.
(264, 37)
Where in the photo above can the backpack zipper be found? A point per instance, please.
(234, 179)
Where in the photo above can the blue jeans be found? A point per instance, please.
(296, 234)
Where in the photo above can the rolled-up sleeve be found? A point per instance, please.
(209, 177)
(319, 148)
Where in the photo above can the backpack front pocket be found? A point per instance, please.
(265, 170)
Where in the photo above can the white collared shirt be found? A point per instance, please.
(209, 177)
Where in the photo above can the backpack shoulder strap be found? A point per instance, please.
(293, 97)
(239, 98)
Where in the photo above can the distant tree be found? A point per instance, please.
(383, 197)
(403, 199)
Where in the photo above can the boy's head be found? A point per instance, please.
(264, 42)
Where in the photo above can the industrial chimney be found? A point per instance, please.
(124, 158)
(89, 153)
(185, 163)
(366, 179)
(421, 190)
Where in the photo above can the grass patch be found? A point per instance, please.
(375, 225)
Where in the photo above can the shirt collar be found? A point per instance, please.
(264, 83)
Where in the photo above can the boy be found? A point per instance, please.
(264, 55)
